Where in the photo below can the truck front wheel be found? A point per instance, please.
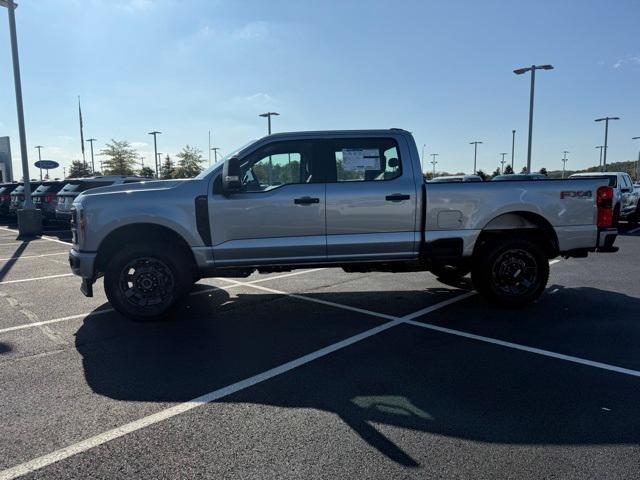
(143, 282)
(511, 271)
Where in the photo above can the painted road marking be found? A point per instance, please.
(33, 256)
(36, 278)
(42, 237)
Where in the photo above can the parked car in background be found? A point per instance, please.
(626, 198)
(45, 199)
(5, 197)
(519, 176)
(75, 186)
(456, 178)
(17, 197)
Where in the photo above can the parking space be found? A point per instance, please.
(290, 374)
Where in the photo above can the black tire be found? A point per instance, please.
(511, 271)
(143, 282)
(450, 272)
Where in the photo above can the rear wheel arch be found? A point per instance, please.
(521, 224)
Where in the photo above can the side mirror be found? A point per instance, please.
(231, 181)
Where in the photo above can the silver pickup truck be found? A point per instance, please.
(350, 199)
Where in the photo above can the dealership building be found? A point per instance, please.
(6, 170)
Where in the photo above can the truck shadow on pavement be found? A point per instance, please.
(406, 377)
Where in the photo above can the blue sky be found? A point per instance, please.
(442, 70)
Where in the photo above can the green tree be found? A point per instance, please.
(79, 169)
(482, 175)
(189, 162)
(121, 158)
(543, 171)
(147, 172)
(508, 170)
(168, 168)
(496, 172)
(524, 170)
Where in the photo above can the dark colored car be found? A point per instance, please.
(75, 186)
(5, 197)
(45, 198)
(17, 197)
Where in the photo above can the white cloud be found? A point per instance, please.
(252, 31)
(627, 60)
(139, 144)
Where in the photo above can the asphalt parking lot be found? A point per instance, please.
(320, 374)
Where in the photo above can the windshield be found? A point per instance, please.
(210, 169)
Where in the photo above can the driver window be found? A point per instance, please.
(276, 165)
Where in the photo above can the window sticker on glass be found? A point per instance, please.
(358, 159)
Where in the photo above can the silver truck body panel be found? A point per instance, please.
(351, 221)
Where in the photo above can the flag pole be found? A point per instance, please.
(84, 160)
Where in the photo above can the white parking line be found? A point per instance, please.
(524, 348)
(36, 278)
(42, 237)
(211, 288)
(637, 229)
(22, 257)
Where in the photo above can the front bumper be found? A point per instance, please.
(82, 263)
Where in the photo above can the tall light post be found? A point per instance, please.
(29, 218)
(93, 164)
(564, 161)
(600, 147)
(475, 154)
(39, 147)
(503, 161)
(215, 153)
(637, 164)
(513, 147)
(159, 162)
(433, 162)
(155, 149)
(268, 116)
(606, 138)
(520, 71)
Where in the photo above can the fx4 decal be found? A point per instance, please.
(576, 194)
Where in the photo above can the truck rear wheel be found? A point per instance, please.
(143, 282)
(511, 271)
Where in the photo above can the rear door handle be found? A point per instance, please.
(306, 200)
(397, 197)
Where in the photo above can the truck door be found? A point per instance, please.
(279, 216)
(371, 199)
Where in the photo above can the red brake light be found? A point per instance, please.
(4, 198)
(604, 202)
(49, 198)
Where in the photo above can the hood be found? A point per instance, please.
(134, 187)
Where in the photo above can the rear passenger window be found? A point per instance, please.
(365, 160)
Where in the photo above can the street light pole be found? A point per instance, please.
(600, 147)
(93, 165)
(215, 153)
(637, 164)
(433, 162)
(564, 161)
(606, 138)
(503, 161)
(155, 149)
(475, 154)
(513, 146)
(39, 147)
(29, 218)
(268, 115)
(520, 71)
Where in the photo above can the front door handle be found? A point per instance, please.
(306, 200)
(397, 197)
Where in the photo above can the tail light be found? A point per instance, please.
(49, 198)
(604, 202)
(4, 198)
